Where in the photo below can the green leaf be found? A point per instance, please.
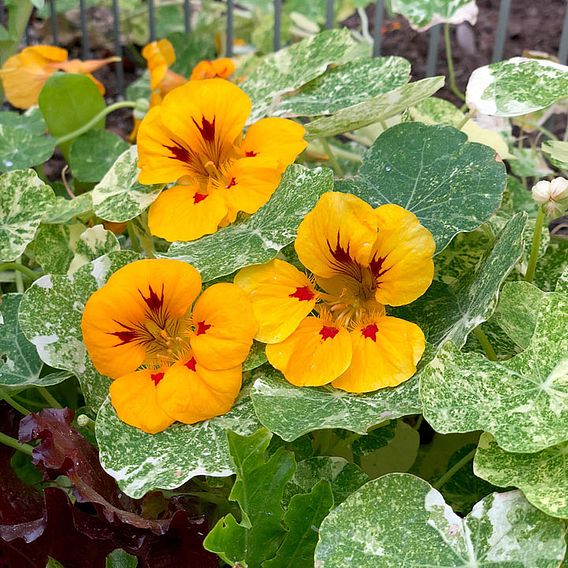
(50, 317)
(350, 84)
(31, 121)
(540, 476)
(287, 70)
(143, 462)
(258, 490)
(24, 199)
(62, 249)
(260, 237)
(423, 14)
(557, 152)
(67, 102)
(303, 518)
(378, 108)
(400, 520)
(291, 412)
(451, 185)
(523, 401)
(92, 155)
(516, 86)
(21, 149)
(119, 197)
(256, 356)
(436, 111)
(120, 559)
(63, 210)
(452, 312)
(552, 265)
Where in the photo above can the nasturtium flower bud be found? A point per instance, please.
(552, 195)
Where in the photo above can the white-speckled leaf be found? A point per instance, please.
(451, 185)
(557, 152)
(62, 249)
(286, 70)
(551, 268)
(290, 411)
(50, 317)
(347, 85)
(523, 401)
(143, 462)
(400, 520)
(259, 238)
(451, 312)
(63, 209)
(542, 476)
(423, 14)
(119, 197)
(24, 199)
(20, 148)
(380, 107)
(516, 86)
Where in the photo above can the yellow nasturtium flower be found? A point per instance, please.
(170, 358)
(23, 75)
(362, 259)
(222, 68)
(195, 138)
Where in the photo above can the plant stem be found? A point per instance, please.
(464, 121)
(94, 121)
(419, 421)
(452, 76)
(531, 268)
(19, 268)
(15, 405)
(143, 234)
(332, 159)
(13, 443)
(453, 470)
(484, 342)
(48, 397)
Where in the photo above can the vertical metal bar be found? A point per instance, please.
(501, 32)
(151, 20)
(53, 21)
(84, 29)
(277, 24)
(230, 15)
(563, 50)
(433, 49)
(378, 30)
(118, 66)
(329, 16)
(187, 15)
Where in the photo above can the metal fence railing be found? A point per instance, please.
(500, 34)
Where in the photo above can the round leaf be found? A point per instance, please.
(423, 14)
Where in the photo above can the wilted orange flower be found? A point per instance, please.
(221, 68)
(23, 75)
(195, 138)
(169, 361)
(362, 259)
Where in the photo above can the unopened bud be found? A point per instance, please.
(552, 195)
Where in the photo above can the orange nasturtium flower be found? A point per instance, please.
(362, 260)
(169, 361)
(24, 74)
(222, 68)
(195, 138)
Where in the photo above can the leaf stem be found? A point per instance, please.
(531, 268)
(48, 397)
(332, 158)
(451, 72)
(454, 469)
(19, 268)
(464, 120)
(485, 343)
(13, 443)
(86, 127)
(15, 405)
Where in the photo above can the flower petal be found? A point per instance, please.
(134, 397)
(222, 67)
(114, 315)
(385, 353)
(186, 213)
(191, 393)
(276, 138)
(402, 256)
(315, 354)
(224, 327)
(159, 55)
(281, 298)
(336, 235)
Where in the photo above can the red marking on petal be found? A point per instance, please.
(191, 364)
(376, 266)
(157, 377)
(328, 332)
(207, 129)
(303, 293)
(179, 152)
(153, 301)
(370, 331)
(231, 183)
(202, 327)
(250, 154)
(199, 197)
(124, 336)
